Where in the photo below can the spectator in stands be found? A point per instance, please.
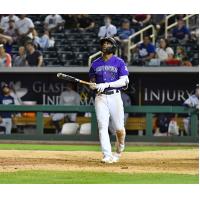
(10, 36)
(24, 28)
(191, 102)
(140, 20)
(7, 41)
(70, 21)
(10, 30)
(36, 39)
(164, 52)
(53, 22)
(162, 125)
(6, 19)
(108, 30)
(123, 34)
(195, 34)
(85, 23)
(186, 62)
(34, 57)
(68, 97)
(146, 51)
(182, 57)
(20, 60)
(5, 58)
(180, 53)
(181, 32)
(6, 117)
(43, 42)
(158, 21)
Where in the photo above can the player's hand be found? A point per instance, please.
(102, 86)
(93, 86)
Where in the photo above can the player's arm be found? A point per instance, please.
(123, 81)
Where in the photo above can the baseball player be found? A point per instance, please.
(191, 102)
(110, 75)
(67, 97)
(6, 117)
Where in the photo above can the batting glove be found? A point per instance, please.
(102, 86)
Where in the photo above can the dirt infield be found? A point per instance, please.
(170, 161)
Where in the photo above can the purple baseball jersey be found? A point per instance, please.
(108, 71)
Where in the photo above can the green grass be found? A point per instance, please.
(71, 177)
(86, 147)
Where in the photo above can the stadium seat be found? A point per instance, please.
(69, 128)
(85, 129)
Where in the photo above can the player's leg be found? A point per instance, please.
(186, 124)
(102, 113)
(117, 116)
(3, 124)
(56, 119)
(8, 126)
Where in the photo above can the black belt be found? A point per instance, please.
(110, 92)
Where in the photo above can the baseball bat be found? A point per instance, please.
(72, 79)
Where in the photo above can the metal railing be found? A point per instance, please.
(147, 110)
(130, 46)
(167, 26)
(93, 56)
(141, 33)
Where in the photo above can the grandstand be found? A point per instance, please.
(73, 48)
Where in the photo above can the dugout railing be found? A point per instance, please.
(147, 110)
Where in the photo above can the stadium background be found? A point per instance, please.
(70, 55)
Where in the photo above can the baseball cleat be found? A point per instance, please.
(116, 157)
(107, 160)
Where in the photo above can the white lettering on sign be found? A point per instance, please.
(54, 100)
(163, 96)
(39, 87)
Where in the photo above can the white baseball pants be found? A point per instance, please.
(7, 123)
(107, 106)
